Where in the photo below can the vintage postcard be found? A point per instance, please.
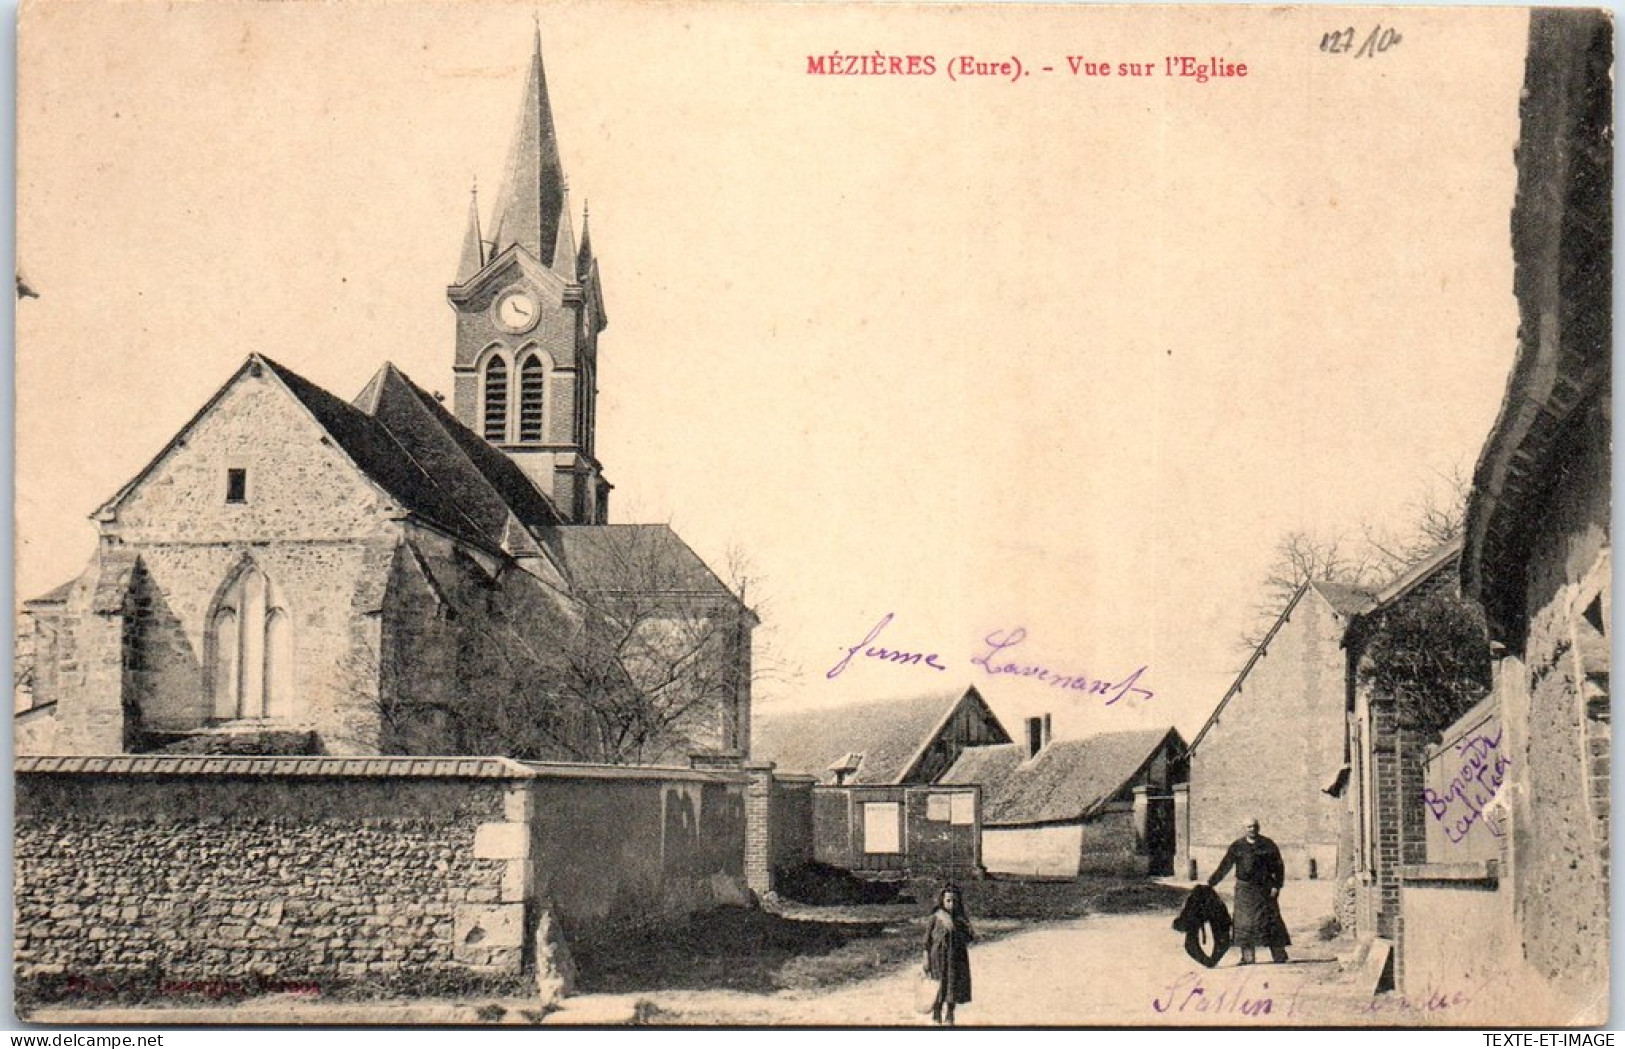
(835, 514)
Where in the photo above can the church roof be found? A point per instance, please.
(888, 736)
(1068, 779)
(641, 558)
(486, 484)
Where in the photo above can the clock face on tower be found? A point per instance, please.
(516, 311)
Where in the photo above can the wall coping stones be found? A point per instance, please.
(316, 766)
(1480, 872)
(353, 767)
(565, 770)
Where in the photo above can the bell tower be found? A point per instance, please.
(529, 310)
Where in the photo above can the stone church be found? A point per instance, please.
(295, 573)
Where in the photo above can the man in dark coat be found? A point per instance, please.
(1260, 873)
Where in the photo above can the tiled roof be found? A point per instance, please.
(888, 734)
(1069, 779)
(648, 558)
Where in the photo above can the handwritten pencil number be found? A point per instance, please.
(1379, 41)
(1337, 41)
(1341, 42)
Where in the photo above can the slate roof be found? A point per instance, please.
(646, 558)
(1068, 780)
(889, 734)
(477, 474)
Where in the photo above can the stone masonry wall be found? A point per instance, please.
(226, 877)
(1562, 859)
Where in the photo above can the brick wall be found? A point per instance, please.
(1275, 745)
(759, 829)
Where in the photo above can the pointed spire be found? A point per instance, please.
(473, 257)
(532, 197)
(564, 251)
(584, 257)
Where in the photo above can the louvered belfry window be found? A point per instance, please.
(496, 400)
(532, 398)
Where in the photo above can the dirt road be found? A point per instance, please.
(1115, 970)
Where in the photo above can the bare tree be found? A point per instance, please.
(1379, 555)
(1436, 516)
(644, 657)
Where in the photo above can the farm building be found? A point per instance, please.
(1099, 805)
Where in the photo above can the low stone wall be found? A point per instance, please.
(211, 869)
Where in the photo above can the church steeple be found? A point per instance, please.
(529, 310)
(532, 196)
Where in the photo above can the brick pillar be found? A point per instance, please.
(759, 827)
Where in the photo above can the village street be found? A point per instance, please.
(1105, 970)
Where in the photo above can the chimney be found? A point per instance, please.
(1035, 736)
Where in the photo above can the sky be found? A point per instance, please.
(1050, 353)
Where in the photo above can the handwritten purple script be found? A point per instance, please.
(994, 662)
(1472, 788)
(1189, 994)
(1227, 994)
(890, 655)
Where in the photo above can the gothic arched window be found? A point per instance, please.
(251, 646)
(496, 400)
(532, 398)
